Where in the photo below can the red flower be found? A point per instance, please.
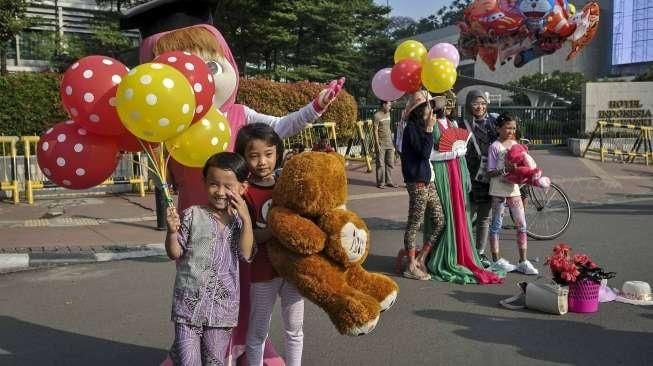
(591, 265)
(581, 259)
(562, 249)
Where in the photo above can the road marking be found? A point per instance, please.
(364, 196)
(599, 172)
(72, 221)
(14, 261)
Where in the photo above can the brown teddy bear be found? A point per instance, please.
(320, 245)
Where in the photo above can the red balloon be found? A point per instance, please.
(71, 157)
(198, 74)
(88, 91)
(129, 143)
(406, 75)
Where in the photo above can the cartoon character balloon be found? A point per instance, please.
(498, 31)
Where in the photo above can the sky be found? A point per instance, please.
(414, 8)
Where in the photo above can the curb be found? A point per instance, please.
(14, 262)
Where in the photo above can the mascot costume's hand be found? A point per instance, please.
(328, 95)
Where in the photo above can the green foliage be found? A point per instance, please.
(30, 103)
(568, 85)
(646, 76)
(404, 27)
(293, 40)
(13, 19)
(278, 99)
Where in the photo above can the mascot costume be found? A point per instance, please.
(173, 25)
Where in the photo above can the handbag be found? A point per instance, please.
(545, 297)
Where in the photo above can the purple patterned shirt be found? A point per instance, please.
(206, 291)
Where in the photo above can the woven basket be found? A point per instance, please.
(584, 296)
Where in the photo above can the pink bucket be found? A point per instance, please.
(584, 296)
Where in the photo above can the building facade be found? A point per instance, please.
(622, 48)
(62, 19)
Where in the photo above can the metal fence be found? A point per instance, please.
(542, 125)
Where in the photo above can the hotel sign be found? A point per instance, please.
(626, 112)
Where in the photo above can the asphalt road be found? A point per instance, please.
(117, 313)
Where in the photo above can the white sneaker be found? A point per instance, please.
(527, 268)
(504, 265)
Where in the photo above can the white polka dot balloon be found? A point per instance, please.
(198, 75)
(152, 93)
(86, 91)
(72, 158)
(208, 136)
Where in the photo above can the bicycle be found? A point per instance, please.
(548, 210)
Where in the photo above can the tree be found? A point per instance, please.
(646, 75)
(292, 40)
(401, 27)
(13, 19)
(568, 85)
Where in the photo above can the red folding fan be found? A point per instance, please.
(453, 138)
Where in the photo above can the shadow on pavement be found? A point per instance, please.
(365, 183)
(619, 209)
(553, 340)
(480, 298)
(23, 343)
(380, 223)
(380, 263)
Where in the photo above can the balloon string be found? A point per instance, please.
(158, 168)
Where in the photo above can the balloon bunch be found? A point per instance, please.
(164, 108)
(524, 30)
(414, 67)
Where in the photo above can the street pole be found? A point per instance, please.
(542, 65)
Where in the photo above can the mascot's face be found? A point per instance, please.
(535, 9)
(224, 78)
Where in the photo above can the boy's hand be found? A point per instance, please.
(173, 220)
(238, 203)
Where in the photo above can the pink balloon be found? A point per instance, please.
(382, 86)
(445, 50)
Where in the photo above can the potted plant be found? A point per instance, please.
(581, 274)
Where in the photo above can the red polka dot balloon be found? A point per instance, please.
(130, 143)
(71, 157)
(198, 74)
(88, 92)
(406, 75)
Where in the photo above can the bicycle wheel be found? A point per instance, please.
(548, 212)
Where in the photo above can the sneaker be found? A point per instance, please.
(527, 268)
(504, 265)
(485, 262)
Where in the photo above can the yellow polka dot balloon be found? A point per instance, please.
(410, 50)
(438, 75)
(155, 102)
(208, 136)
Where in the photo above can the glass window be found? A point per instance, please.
(640, 25)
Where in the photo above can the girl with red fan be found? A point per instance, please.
(454, 259)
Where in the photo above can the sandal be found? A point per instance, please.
(381, 186)
(417, 274)
(392, 185)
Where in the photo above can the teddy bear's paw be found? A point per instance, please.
(388, 301)
(365, 328)
(353, 241)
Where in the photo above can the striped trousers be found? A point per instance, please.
(263, 295)
(199, 346)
